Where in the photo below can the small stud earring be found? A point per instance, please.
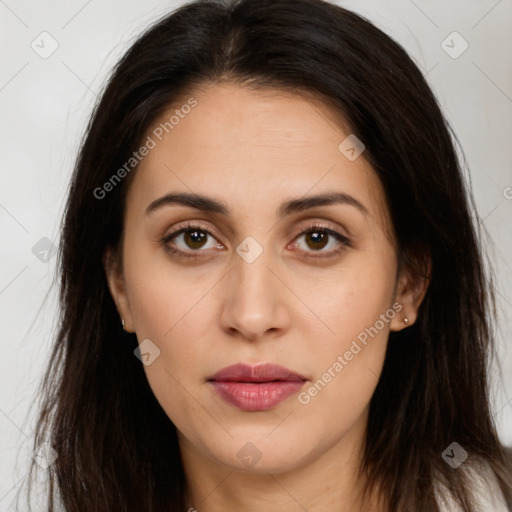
(405, 320)
(122, 322)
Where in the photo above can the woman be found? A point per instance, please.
(272, 288)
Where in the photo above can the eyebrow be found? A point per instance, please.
(209, 204)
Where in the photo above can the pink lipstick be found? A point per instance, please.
(256, 388)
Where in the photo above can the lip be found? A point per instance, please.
(256, 388)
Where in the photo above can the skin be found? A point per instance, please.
(253, 150)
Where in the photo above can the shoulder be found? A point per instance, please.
(486, 491)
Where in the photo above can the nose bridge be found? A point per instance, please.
(254, 296)
(252, 266)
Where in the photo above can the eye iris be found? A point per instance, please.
(317, 236)
(194, 237)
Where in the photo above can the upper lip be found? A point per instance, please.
(260, 373)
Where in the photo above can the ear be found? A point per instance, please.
(117, 287)
(412, 285)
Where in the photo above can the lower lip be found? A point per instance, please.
(257, 396)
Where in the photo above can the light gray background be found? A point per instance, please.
(45, 103)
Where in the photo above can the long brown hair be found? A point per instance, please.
(97, 404)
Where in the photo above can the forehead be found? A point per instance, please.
(253, 149)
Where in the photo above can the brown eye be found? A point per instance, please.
(189, 241)
(318, 237)
(194, 239)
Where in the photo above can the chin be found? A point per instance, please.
(259, 454)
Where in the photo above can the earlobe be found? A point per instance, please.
(401, 319)
(411, 290)
(116, 286)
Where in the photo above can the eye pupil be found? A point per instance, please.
(317, 237)
(194, 237)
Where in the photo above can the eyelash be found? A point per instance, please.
(313, 228)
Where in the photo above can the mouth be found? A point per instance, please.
(256, 388)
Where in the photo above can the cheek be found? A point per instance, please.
(347, 367)
(352, 297)
(178, 319)
(171, 306)
(162, 293)
(357, 308)
(173, 315)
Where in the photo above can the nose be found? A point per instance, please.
(254, 299)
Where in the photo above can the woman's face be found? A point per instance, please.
(246, 287)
